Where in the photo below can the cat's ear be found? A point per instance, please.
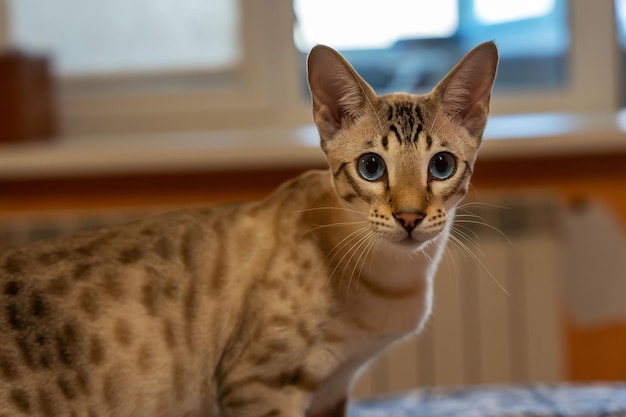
(340, 95)
(465, 92)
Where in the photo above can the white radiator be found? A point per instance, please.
(496, 316)
(496, 313)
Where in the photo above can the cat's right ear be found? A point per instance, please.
(340, 95)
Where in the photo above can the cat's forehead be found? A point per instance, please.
(399, 105)
(401, 108)
(405, 116)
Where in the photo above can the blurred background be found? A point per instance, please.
(113, 110)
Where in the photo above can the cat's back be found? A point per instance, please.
(83, 317)
(118, 321)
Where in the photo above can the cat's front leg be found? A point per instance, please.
(340, 409)
(264, 400)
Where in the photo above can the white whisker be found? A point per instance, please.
(346, 242)
(478, 261)
(339, 224)
(481, 203)
(451, 264)
(471, 241)
(457, 226)
(362, 246)
(500, 232)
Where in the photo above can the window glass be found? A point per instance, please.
(498, 11)
(620, 15)
(346, 29)
(409, 45)
(89, 37)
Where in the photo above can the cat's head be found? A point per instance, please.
(404, 160)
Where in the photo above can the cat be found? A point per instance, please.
(263, 309)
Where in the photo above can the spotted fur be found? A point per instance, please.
(263, 309)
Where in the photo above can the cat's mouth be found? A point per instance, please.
(413, 242)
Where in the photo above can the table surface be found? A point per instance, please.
(592, 400)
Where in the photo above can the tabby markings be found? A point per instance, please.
(123, 332)
(112, 284)
(350, 197)
(15, 317)
(111, 391)
(13, 265)
(50, 258)
(272, 413)
(297, 378)
(219, 269)
(144, 358)
(97, 351)
(406, 122)
(168, 334)
(68, 345)
(59, 286)
(47, 404)
(150, 291)
(82, 271)
(39, 308)
(356, 187)
(130, 255)
(340, 170)
(67, 388)
(396, 132)
(12, 288)
(164, 248)
(8, 369)
(90, 303)
(191, 240)
(20, 399)
(178, 380)
(454, 187)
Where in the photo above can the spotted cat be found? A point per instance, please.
(264, 309)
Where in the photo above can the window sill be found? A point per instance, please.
(507, 136)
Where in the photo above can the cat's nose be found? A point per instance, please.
(409, 219)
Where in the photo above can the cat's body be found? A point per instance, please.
(262, 309)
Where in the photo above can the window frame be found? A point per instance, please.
(266, 90)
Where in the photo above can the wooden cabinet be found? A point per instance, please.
(26, 104)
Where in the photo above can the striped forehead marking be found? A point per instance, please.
(406, 122)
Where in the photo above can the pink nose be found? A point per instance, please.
(409, 219)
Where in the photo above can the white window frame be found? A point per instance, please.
(266, 90)
(593, 82)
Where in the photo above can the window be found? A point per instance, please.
(90, 37)
(620, 14)
(347, 30)
(416, 42)
(166, 65)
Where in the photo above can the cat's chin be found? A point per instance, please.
(411, 244)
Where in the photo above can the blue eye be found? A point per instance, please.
(442, 166)
(371, 166)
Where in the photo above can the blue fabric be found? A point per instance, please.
(518, 401)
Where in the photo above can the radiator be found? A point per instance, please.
(496, 312)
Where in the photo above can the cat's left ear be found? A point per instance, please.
(464, 94)
(340, 95)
